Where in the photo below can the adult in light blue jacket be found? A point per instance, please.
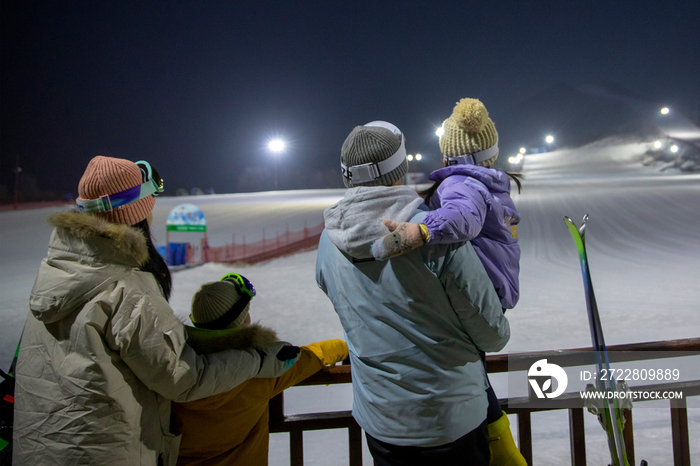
(414, 324)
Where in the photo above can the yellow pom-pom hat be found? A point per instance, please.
(469, 135)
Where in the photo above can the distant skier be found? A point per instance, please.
(470, 201)
(242, 413)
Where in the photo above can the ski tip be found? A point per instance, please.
(582, 228)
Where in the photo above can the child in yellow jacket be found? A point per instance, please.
(233, 427)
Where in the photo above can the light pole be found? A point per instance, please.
(18, 170)
(276, 146)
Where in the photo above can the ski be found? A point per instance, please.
(609, 412)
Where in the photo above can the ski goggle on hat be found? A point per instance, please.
(234, 315)
(241, 283)
(374, 170)
(152, 185)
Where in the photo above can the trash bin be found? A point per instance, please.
(177, 254)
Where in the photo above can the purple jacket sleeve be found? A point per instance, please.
(460, 204)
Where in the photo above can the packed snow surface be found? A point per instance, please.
(643, 241)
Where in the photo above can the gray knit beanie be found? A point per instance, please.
(213, 300)
(367, 144)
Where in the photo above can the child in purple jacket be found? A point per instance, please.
(470, 201)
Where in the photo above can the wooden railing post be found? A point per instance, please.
(296, 447)
(525, 436)
(679, 430)
(577, 437)
(355, 444)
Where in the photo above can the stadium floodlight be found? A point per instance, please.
(409, 157)
(549, 139)
(276, 146)
(512, 160)
(440, 131)
(657, 144)
(523, 150)
(665, 110)
(418, 156)
(674, 148)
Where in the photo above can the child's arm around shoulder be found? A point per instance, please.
(463, 204)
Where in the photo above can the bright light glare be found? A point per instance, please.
(409, 157)
(515, 160)
(674, 148)
(418, 156)
(657, 144)
(439, 132)
(549, 139)
(523, 150)
(276, 145)
(664, 111)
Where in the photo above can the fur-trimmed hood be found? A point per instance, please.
(109, 241)
(253, 336)
(87, 256)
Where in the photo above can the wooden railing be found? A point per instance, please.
(295, 425)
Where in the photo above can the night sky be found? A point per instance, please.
(198, 88)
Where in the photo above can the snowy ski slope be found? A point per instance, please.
(643, 243)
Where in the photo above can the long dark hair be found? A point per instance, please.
(155, 264)
(428, 193)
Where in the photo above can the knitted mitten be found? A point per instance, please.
(404, 237)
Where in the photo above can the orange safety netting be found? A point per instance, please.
(281, 245)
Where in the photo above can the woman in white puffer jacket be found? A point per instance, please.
(102, 354)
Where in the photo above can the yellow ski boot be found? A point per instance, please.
(503, 449)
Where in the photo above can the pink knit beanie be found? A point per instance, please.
(107, 175)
